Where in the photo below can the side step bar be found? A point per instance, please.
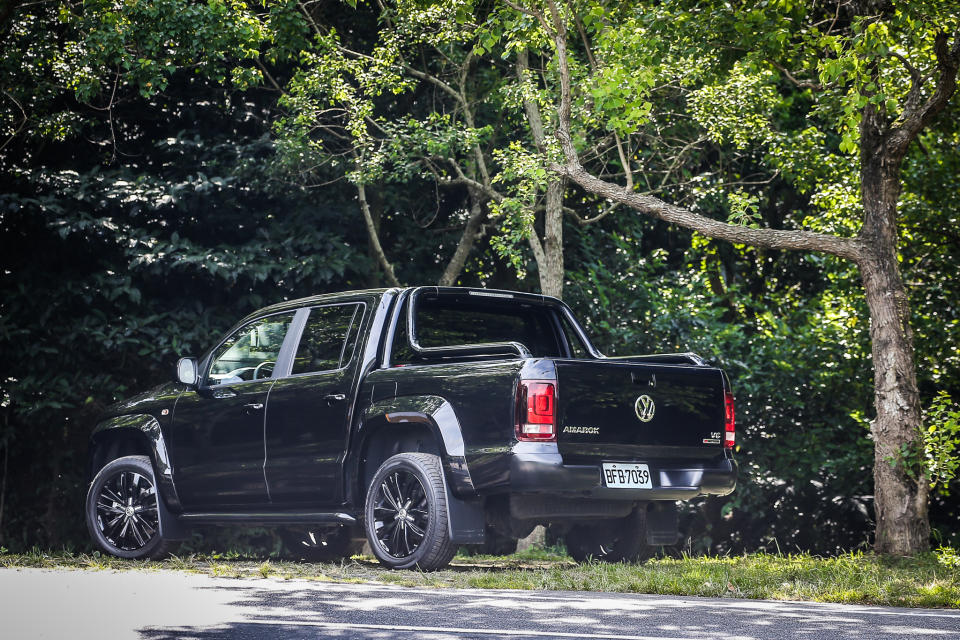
(267, 518)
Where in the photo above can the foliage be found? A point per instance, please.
(147, 203)
(948, 557)
(111, 272)
(941, 441)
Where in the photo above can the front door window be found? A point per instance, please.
(251, 352)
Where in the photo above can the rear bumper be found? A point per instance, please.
(537, 468)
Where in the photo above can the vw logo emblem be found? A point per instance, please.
(644, 407)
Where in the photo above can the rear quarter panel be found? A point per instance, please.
(482, 394)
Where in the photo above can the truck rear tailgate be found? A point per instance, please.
(624, 411)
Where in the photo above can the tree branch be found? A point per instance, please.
(273, 82)
(768, 238)
(463, 179)
(533, 13)
(624, 162)
(374, 237)
(610, 208)
(535, 245)
(306, 14)
(915, 115)
(23, 121)
(470, 122)
(530, 106)
(847, 248)
(799, 84)
(426, 77)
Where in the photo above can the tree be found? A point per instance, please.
(453, 112)
(888, 71)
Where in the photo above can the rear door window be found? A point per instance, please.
(329, 338)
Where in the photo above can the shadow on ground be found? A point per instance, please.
(295, 609)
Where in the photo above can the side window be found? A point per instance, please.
(328, 339)
(400, 351)
(251, 352)
(577, 348)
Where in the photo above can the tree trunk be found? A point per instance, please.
(900, 501)
(549, 254)
(551, 266)
(467, 240)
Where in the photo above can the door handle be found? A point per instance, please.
(335, 397)
(252, 407)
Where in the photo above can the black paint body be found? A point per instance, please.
(300, 448)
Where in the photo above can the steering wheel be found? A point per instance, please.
(256, 370)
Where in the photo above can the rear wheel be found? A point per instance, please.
(122, 510)
(406, 513)
(320, 545)
(623, 540)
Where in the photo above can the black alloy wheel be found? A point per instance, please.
(401, 513)
(406, 513)
(122, 513)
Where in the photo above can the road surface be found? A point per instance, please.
(75, 604)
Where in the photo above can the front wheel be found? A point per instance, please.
(122, 509)
(406, 513)
(623, 540)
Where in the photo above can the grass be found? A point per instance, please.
(928, 580)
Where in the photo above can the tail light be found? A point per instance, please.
(536, 411)
(730, 435)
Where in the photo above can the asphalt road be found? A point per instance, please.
(37, 603)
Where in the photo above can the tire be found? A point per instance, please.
(121, 510)
(405, 514)
(623, 540)
(320, 545)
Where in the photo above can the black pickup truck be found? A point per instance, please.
(418, 419)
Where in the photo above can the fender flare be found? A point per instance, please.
(145, 426)
(466, 519)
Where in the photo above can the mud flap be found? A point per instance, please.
(663, 523)
(170, 526)
(465, 518)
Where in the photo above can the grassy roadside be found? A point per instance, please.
(930, 580)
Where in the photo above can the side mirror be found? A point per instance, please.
(187, 371)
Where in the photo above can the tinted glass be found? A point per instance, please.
(324, 345)
(443, 322)
(577, 348)
(251, 352)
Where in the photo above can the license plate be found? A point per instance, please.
(626, 476)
